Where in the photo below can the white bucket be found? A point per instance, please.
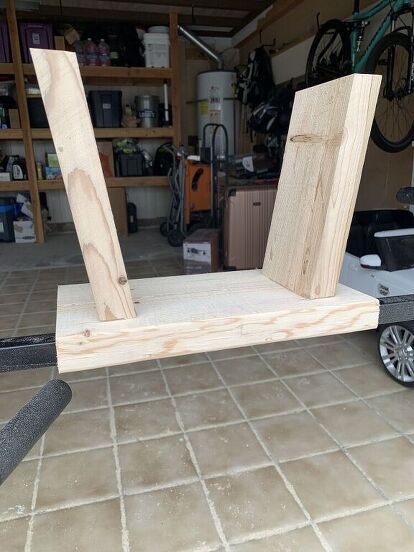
(157, 50)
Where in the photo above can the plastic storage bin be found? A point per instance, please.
(106, 108)
(35, 35)
(6, 219)
(130, 164)
(157, 50)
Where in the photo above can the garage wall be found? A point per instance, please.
(383, 173)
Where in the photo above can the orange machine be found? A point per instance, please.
(197, 189)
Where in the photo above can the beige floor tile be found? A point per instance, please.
(81, 430)
(44, 295)
(329, 484)
(12, 298)
(11, 309)
(300, 540)
(12, 401)
(406, 508)
(158, 462)
(278, 346)
(243, 370)
(387, 463)
(353, 423)
(8, 322)
(251, 502)
(76, 478)
(377, 530)
(13, 535)
(134, 367)
(145, 420)
(35, 331)
(16, 288)
(293, 435)
(81, 375)
(40, 306)
(181, 512)
(262, 399)
(21, 379)
(209, 408)
(137, 387)
(339, 355)
(294, 363)
(16, 492)
(47, 285)
(319, 389)
(368, 380)
(184, 360)
(225, 449)
(6, 333)
(397, 408)
(317, 341)
(231, 353)
(81, 529)
(37, 319)
(188, 379)
(87, 395)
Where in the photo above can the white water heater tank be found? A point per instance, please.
(216, 103)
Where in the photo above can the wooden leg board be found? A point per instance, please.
(181, 315)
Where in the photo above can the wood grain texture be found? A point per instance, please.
(176, 79)
(318, 186)
(180, 315)
(65, 103)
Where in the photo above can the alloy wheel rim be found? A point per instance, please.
(397, 352)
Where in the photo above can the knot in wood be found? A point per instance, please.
(122, 280)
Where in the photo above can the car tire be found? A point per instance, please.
(396, 350)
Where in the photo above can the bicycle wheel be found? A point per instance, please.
(393, 126)
(330, 54)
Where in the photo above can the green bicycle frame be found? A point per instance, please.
(395, 6)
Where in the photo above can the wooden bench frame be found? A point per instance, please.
(112, 321)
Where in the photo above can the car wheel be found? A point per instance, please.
(396, 349)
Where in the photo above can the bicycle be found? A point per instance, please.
(336, 51)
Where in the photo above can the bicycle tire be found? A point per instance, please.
(377, 136)
(331, 25)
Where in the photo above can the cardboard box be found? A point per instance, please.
(14, 118)
(60, 43)
(106, 155)
(117, 198)
(201, 251)
(24, 231)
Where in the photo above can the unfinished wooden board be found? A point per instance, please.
(180, 315)
(69, 120)
(318, 186)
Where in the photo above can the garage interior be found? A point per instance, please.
(298, 445)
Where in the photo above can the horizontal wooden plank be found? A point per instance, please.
(15, 186)
(11, 134)
(180, 315)
(113, 182)
(116, 73)
(6, 69)
(100, 133)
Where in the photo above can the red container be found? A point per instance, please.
(5, 56)
(35, 35)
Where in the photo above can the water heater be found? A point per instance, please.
(217, 103)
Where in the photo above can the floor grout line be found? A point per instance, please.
(210, 503)
(118, 475)
(29, 533)
(290, 488)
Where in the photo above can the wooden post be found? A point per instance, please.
(67, 111)
(318, 186)
(175, 79)
(24, 119)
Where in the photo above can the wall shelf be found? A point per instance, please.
(113, 182)
(164, 132)
(107, 76)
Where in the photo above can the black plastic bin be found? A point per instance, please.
(37, 113)
(130, 164)
(106, 108)
(6, 219)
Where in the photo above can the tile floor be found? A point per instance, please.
(300, 446)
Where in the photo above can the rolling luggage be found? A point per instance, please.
(247, 216)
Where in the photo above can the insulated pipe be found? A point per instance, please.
(202, 45)
(21, 433)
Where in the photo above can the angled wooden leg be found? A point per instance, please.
(67, 111)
